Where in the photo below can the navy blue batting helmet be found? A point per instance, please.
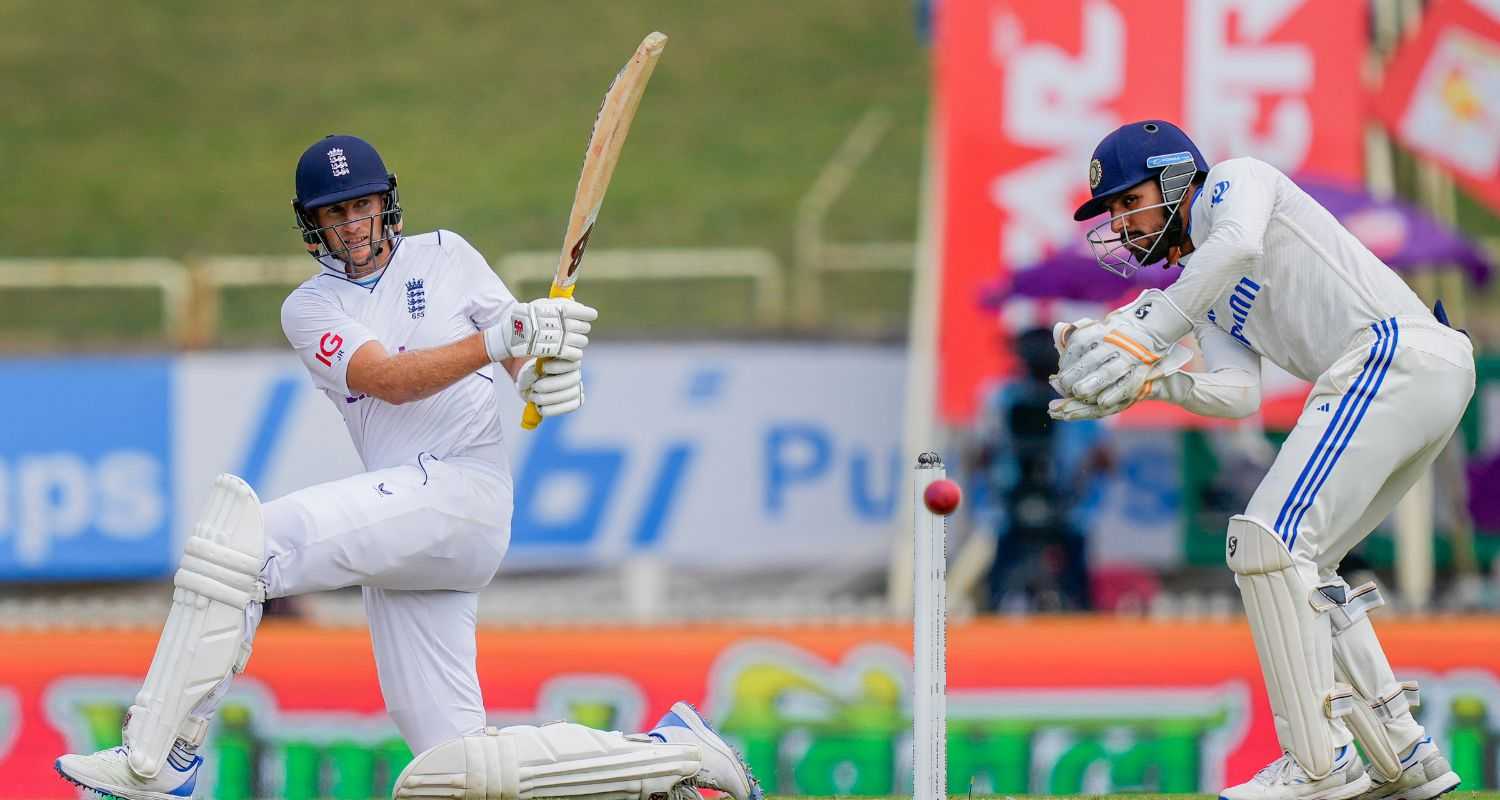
(1133, 153)
(338, 168)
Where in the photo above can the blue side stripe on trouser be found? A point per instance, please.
(1295, 496)
(1322, 463)
(1369, 398)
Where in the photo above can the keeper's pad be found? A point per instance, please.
(1289, 617)
(1381, 719)
(205, 639)
(557, 760)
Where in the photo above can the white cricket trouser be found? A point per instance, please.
(420, 540)
(1372, 426)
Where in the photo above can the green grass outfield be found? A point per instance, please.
(172, 128)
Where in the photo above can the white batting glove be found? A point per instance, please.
(1113, 368)
(557, 390)
(550, 327)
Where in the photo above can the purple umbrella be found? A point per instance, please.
(1407, 238)
(1401, 235)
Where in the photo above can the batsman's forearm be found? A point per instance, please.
(418, 374)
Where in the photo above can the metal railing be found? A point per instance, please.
(758, 266)
(165, 275)
(191, 291)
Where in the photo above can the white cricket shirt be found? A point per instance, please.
(436, 289)
(1279, 274)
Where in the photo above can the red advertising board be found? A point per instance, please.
(1039, 706)
(1025, 90)
(1439, 94)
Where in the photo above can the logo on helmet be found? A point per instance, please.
(1096, 173)
(337, 162)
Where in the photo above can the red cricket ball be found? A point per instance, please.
(942, 496)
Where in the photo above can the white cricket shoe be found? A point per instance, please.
(1425, 774)
(107, 773)
(723, 768)
(1284, 779)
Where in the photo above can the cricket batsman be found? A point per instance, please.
(1270, 274)
(406, 335)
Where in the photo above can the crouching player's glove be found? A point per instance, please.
(1155, 388)
(557, 388)
(1109, 363)
(550, 327)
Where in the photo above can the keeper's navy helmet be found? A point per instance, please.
(1133, 153)
(338, 168)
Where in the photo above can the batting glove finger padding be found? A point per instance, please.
(558, 390)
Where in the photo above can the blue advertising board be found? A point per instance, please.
(85, 468)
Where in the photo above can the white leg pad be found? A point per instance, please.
(1382, 720)
(562, 759)
(1289, 618)
(205, 640)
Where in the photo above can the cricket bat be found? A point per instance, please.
(611, 125)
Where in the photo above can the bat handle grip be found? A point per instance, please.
(532, 416)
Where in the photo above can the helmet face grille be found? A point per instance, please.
(1122, 253)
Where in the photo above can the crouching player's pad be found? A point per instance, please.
(557, 760)
(1289, 620)
(205, 639)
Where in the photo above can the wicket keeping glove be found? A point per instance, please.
(558, 390)
(550, 327)
(1155, 387)
(1109, 363)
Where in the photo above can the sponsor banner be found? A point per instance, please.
(86, 469)
(1026, 90)
(1441, 93)
(1095, 705)
(711, 456)
(718, 456)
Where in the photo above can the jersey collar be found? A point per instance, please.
(334, 268)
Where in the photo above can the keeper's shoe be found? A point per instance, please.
(1425, 774)
(1284, 779)
(106, 773)
(723, 768)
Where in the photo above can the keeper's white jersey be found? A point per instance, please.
(1278, 273)
(437, 289)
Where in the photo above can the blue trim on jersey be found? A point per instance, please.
(1339, 433)
(1188, 231)
(331, 273)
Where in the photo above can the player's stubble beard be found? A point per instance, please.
(1174, 252)
(372, 262)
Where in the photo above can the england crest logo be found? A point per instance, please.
(416, 298)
